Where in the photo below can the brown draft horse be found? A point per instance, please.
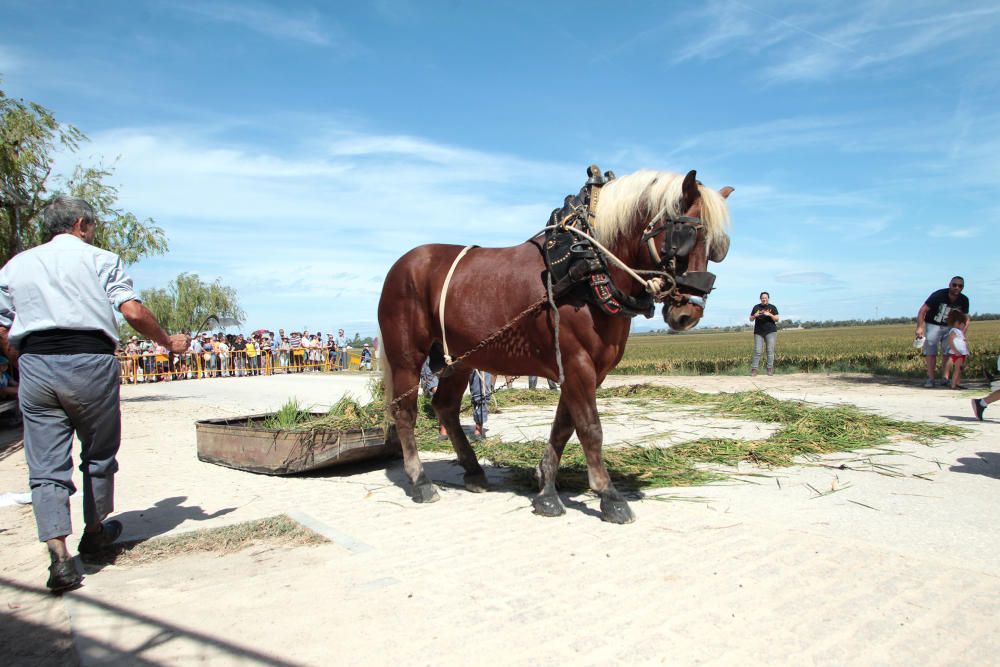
(492, 286)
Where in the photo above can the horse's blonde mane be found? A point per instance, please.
(649, 192)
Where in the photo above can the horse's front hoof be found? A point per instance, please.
(548, 505)
(614, 510)
(425, 493)
(476, 483)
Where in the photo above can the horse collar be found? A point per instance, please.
(574, 264)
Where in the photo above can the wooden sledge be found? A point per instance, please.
(244, 444)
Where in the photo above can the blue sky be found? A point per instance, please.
(295, 150)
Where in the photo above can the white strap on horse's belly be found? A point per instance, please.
(444, 296)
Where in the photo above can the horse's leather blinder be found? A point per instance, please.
(682, 240)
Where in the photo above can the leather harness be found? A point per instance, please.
(579, 268)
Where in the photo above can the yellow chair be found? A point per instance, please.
(353, 361)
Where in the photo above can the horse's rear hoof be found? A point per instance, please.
(476, 483)
(425, 493)
(548, 505)
(616, 511)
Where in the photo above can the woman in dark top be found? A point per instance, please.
(765, 332)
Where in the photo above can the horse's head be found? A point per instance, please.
(683, 226)
(693, 240)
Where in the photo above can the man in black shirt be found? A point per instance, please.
(932, 321)
(765, 332)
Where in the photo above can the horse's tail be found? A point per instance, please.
(387, 385)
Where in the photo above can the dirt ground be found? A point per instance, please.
(767, 568)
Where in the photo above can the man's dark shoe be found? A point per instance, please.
(63, 576)
(93, 543)
(978, 409)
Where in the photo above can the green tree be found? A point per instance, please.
(186, 302)
(29, 134)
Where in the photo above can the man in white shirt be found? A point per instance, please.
(57, 323)
(342, 347)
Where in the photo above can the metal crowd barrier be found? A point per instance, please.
(151, 367)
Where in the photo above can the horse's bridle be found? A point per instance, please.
(680, 234)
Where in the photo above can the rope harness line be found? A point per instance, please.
(444, 296)
(555, 308)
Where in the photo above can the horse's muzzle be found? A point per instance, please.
(689, 300)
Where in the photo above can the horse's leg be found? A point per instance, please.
(447, 402)
(547, 502)
(579, 392)
(406, 419)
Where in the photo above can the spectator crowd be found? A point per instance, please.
(237, 355)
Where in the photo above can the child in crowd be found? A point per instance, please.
(958, 348)
(8, 387)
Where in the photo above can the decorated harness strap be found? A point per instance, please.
(575, 265)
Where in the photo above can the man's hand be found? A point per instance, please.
(179, 343)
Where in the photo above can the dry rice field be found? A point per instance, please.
(881, 349)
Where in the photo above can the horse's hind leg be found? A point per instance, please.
(447, 402)
(406, 419)
(547, 502)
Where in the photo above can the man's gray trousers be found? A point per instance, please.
(60, 394)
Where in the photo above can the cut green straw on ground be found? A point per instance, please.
(805, 430)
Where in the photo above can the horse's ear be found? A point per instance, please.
(690, 189)
(726, 191)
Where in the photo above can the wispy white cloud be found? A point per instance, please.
(284, 23)
(814, 278)
(727, 31)
(947, 232)
(324, 223)
(772, 136)
(9, 60)
(795, 46)
(397, 11)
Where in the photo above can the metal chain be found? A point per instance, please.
(486, 341)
